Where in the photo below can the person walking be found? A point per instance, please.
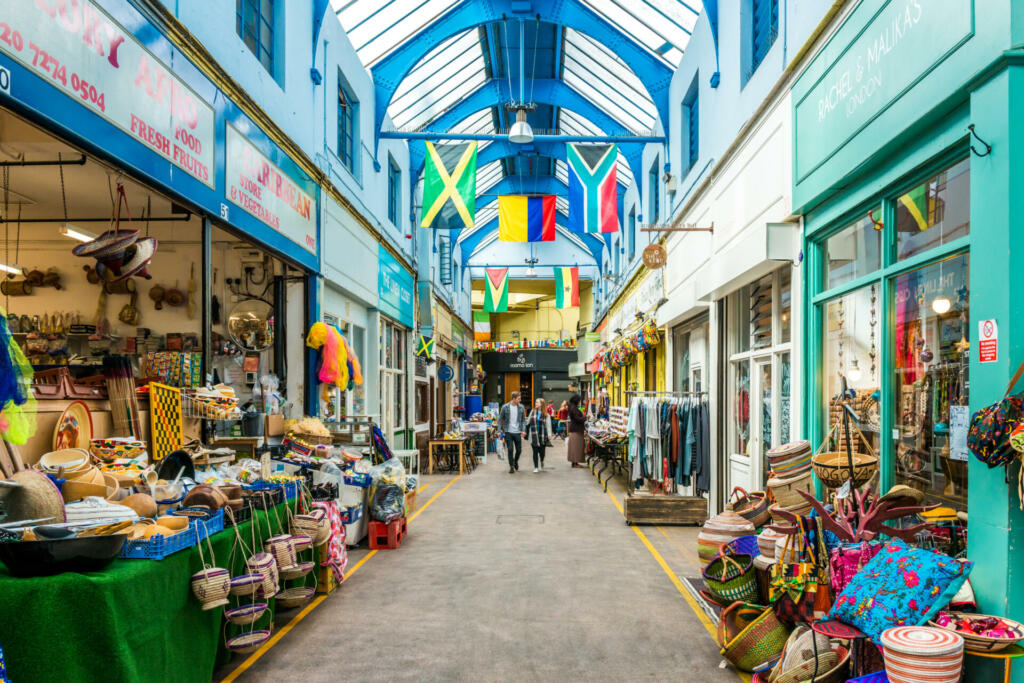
(511, 421)
(538, 431)
(577, 423)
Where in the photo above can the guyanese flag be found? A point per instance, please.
(526, 219)
(567, 287)
(495, 290)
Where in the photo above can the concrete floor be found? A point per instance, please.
(525, 577)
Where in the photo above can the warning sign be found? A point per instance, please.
(988, 341)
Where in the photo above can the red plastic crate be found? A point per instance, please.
(387, 536)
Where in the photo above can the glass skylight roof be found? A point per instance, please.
(449, 72)
(661, 26)
(376, 27)
(602, 77)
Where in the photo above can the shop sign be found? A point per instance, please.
(263, 190)
(988, 341)
(395, 286)
(655, 256)
(651, 291)
(79, 49)
(592, 337)
(521, 363)
(871, 70)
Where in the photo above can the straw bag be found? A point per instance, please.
(731, 578)
(750, 635)
(989, 435)
(752, 507)
(212, 584)
(784, 491)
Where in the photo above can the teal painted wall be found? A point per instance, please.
(962, 71)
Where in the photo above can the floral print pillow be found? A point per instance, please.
(900, 586)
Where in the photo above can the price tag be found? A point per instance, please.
(844, 490)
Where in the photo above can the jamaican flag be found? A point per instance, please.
(495, 290)
(920, 206)
(459, 185)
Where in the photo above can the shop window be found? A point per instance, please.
(764, 29)
(930, 362)
(348, 125)
(394, 190)
(785, 398)
(854, 251)
(739, 321)
(785, 306)
(691, 127)
(254, 23)
(444, 256)
(740, 420)
(852, 344)
(681, 352)
(422, 403)
(935, 212)
(653, 193)
(631, 233)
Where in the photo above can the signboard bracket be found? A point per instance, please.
(685, 228)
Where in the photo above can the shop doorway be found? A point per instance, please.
(511, 385)
(761, 420)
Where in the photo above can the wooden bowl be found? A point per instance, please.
(77, 490)
(71, 459)
(833, 469)
(142, 503)
(173, 523)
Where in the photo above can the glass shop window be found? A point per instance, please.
(935, 212)
(785, 306)
(740, 427)
(760, 306)
(852, 344)
(854, 251)
(930, 413)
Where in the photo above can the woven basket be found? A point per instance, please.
(311, 438)
(976, 643)
(294, 597)
(799, 510)
(730, 577)
(720, 529)
(750, 635)
(282, 549)
(766, 543)
(305, 525)
(265, 565)
(784, 490)
(245, 614)
(833, 469)
(211, 587)
(296, 571)
(300, 542)
(752, 506)
(246, 584)
(244, 643)
(790, 459)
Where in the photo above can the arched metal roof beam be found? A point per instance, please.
(487, 236)
(389, 71)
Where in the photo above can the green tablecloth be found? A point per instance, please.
(135, 621)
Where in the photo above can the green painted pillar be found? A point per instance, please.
(996, 524)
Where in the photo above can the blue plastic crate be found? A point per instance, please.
(291, 489)
(209, 526)
(159, 547)
(360, 479)
(351, 514)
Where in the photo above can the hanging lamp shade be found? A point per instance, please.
(520, 133)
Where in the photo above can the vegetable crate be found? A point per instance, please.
(387, 536)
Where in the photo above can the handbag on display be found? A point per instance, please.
(848, 559)
(798, 589)
(989, 435)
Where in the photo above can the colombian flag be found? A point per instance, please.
(567, 287)
(526, 219)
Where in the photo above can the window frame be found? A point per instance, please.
(241, 7)
(759, 48)
(689, 129)
(348, 126)
(654, 191)
(885, 279)
(394, 191)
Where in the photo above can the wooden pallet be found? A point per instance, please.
(645, 508)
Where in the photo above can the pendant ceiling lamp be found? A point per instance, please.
(521, 133)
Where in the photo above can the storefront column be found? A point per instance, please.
(312, 291)
(996, 523)
(206, 267)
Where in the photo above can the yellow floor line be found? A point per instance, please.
(255, 656)
(701, 616)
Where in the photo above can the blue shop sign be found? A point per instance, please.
(395, 286)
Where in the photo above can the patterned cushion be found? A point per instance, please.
(901, 586)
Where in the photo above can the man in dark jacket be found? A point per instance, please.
(511, 422)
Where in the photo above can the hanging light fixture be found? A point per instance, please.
(11, 268)
(76, 233)
(521, 133)
(941, 305)
(854, 374)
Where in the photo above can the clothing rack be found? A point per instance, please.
(666, 393)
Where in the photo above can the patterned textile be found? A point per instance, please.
(337, 553)
(164, 419)
(901, 586)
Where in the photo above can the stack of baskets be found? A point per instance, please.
(790, 460)
(785, 491)
(720, 529)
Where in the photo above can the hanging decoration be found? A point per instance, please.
(17, 403)
(513, 346)
(496, 290)
(623, 352)
(426, 347)
(593, 193)
(526, 219)
(119, 253)
(567, 287)
(338, 365)
(873, 351)
(459, 186)
(481, 326)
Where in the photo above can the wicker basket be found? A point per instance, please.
(244, 643)
(833, 469)
(282, 549)
(211, 587)
(304, 525)
(311, 439)
(720, 529)
(264, 565)
(246, 614)
(296, 571)
(730, 577)
(300, 542)
(752, 506)
(246, 584)
(976, 643)
(294, 597)
(784, 491)
(750, 635)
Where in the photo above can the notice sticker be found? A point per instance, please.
(988, 341)
(959, 424)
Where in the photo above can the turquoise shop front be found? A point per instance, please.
(907, 162)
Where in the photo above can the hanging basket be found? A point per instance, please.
(244, 615)
(833, 469)
(294, 597)
(244, 643)
(296, 571)
(246, 584)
